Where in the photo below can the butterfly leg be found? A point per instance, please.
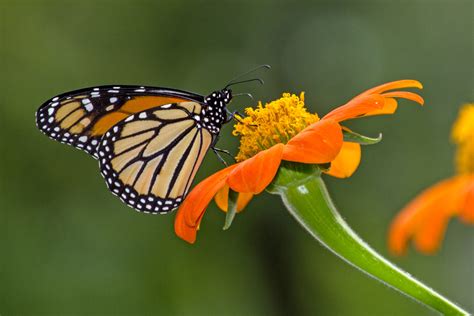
(235, 115)
(218, 152)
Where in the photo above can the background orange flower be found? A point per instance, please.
(425, 218)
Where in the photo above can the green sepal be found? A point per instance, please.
(231, 208)
(350, 136)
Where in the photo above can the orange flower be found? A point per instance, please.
(284, 130)
(425, 218)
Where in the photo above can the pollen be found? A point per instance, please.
(272, 123)
(463, 136)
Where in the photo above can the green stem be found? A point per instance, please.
(307, 199)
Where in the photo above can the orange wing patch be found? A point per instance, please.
(130, 107)
(81, 119)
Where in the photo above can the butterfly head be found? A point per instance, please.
(216, 97)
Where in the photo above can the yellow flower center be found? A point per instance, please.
(463, 136)
(272, 123)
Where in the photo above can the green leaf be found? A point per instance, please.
(350, 136)
(231, 208)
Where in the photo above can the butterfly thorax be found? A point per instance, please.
(214, 110)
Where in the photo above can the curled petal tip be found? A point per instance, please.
(418, 85)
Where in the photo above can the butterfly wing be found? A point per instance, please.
(80, 118)
(150, 159)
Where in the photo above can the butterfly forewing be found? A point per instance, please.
(150, 159)
(80, 118)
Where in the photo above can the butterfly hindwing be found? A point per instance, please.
(80, 118)
(150, 159)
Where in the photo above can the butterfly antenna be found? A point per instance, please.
(246, 94)
(243, 81)
(232, 81)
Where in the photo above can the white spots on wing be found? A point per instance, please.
(55, 99)
(96, 89)
(89, 107)
(166, 106)
(139, 90)
(83, 139)
(128, 119)
(54, 104)
(50, 111)
(113, 100)
(113, 91)
(94, 142)
(51, 119)
(86, 101)
(142, 115)
(117, 88)
(115, 129)
(109, 108)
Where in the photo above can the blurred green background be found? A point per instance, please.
(69, 247)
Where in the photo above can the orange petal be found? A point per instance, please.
(191, 211)
(389, 107)
(467, 210)
(429, 236)
(377, 101)
(255, 174)
(405, 95)
(346, 161)
(357, 107)
(320, 142)
(222, 198)
(399, 84)
(432, 207)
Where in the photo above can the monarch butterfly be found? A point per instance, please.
(149, 141)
